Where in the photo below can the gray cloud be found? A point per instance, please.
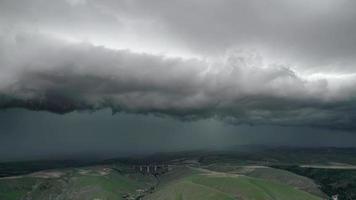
(316, 35)
(43, 73)
(274, 62)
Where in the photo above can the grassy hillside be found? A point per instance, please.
(271, 174)
(116, 182)
(333, 181)
(245, 175)
(13, 189)
(216, 185)
(75, 184)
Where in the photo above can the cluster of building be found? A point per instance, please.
(152, 168)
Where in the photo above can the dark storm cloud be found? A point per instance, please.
(251, 62)
(41, 73)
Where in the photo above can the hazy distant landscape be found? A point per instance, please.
(248, 172)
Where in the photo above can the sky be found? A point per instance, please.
(141, 76)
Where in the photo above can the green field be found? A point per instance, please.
(186, 176)
(181, 182)
(271, 174)
(75, 184)
(216, 185)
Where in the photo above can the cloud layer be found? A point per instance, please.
(279, 62)
(43, 73)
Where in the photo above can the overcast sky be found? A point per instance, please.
(272, 63)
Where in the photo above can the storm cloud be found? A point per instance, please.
(287, 63)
